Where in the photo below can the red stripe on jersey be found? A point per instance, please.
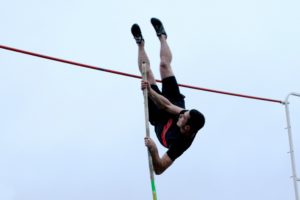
(165, 130)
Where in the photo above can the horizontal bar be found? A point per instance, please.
(136, 76)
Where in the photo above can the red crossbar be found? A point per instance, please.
(133, 76)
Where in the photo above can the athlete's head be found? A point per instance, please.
(190, 121)
(196, 120)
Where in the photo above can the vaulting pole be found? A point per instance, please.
(145, 92)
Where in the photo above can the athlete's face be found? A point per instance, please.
(183, 118)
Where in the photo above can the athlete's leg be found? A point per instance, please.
(142, 55)
(165, 58)
(165, 52)
(143, 58)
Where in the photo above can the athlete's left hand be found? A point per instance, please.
(145, 84)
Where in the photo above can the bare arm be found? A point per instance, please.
(161, 101)
(159, 164)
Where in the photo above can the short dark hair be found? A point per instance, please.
(196, 120)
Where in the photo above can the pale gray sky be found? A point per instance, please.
(69, 133)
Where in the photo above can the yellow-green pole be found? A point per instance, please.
(145, 92)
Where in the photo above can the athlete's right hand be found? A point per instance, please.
(150, 144)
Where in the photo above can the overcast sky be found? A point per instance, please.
(70, 133)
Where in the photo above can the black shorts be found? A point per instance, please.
(170, 90)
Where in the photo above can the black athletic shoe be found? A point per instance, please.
(137, 33)
(158, 26)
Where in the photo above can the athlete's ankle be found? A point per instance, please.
(162, 38)
(141, 44)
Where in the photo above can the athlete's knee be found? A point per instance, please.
(164, 64)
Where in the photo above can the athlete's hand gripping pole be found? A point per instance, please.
(145, 92)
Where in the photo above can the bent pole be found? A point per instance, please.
(145, 92)
(292, 154)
